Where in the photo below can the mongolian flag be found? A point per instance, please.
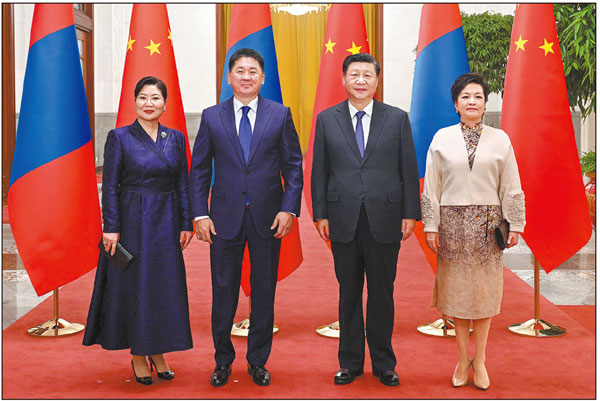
(345, 34)
(150, 52)
(250, 27)
(536, 116)
(53, 196)
(441, 58)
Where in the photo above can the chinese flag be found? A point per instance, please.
(150, 52)
(536, 116)
(250, 27)
(53, 195)
(345, 34)
(441, 58)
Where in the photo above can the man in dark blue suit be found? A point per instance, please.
(253, 144)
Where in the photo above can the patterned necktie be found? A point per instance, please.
(245, 133)
(360, 136)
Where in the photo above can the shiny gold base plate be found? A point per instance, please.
(241, 329)
(51, 329)
(436, 329)
(537, 328)
(331, 330)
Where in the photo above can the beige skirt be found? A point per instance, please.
(469, 279)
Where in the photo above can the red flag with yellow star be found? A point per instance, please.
(345, 34)
(536, 116)
(150, 52)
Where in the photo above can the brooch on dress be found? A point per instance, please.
(163, 134)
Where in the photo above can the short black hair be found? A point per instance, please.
(245, 52)
(153, 81)
(466, 79)
(360, 58)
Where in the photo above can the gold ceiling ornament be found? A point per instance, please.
(299, 8)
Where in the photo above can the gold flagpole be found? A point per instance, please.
(536, 327)
(55, 327)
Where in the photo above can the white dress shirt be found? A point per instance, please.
(237, 108)
(366, 119)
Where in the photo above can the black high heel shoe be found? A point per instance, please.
(146, 380)
(168, 375)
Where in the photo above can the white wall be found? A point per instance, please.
(401, 34)
(195, 45)
(23, 15)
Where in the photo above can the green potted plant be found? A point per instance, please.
(588, 163)
(588, 167)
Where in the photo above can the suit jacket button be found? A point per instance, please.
(247, 172)
(244, 193)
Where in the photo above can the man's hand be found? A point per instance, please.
(204, 227)
(184, 238)
(408, 226)
(323, 228)
(284, 222)
(433, 241)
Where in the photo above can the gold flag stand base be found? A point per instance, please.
(242, 328)
(439, 328)
(331, 330)
(55, 327)
(536, 327)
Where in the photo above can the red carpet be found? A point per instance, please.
(302, 363)
(583, 314)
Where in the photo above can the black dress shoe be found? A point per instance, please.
(260, 375)
(389, 377)
(220, 375)
(345, 376)
(168, 375)
(146, 380)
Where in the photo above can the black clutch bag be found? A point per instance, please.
(502, 234)
(120, 259)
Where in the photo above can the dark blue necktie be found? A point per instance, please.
(245, 133)
(360, 135)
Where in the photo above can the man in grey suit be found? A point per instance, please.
(365, 194)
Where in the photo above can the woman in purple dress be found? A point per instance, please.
(145, 207)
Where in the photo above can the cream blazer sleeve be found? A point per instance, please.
(432, 191)
(510, 193)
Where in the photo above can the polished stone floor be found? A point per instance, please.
(572, 283)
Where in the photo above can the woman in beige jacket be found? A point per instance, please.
(471, 184)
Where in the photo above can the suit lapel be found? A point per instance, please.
(377, 123)
(345, 123)
(228, 119)
(263, 115)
